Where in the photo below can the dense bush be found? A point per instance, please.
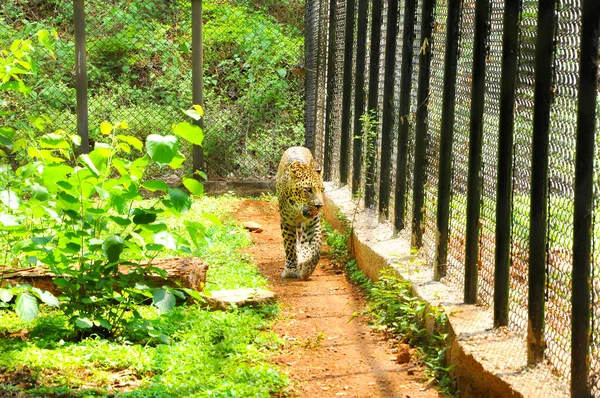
(139, 69)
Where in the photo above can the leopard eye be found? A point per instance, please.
(308, 189)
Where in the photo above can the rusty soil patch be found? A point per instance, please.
(327, 352)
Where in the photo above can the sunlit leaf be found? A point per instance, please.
(190, 132)
(163, 299)
(161, 149)
(26, 306)
(195, 187)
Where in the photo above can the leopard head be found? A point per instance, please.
(306, 188)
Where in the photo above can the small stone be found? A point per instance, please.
(403, 355)
(253, 227)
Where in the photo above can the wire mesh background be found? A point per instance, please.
(561, 159)
(139, 69)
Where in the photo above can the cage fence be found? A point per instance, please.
(561, 160)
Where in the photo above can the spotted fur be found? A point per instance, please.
(300, 196)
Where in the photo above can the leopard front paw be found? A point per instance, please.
(290, 271)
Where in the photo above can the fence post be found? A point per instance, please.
(584, 199)
(197, 78)
(387, 117)
(359, 92)
(310, 86)
(482, 11)
(372, 100)
(330, 86)
(508, 82)
(347, 91)
(539, 180)
(81, 76)
(406, 69)
(446, 136)
(421, 124)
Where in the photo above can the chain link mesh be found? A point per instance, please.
(561, 162)
(139, 71)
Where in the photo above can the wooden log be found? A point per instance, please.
(182, 272)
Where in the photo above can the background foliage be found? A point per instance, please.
(139, 70)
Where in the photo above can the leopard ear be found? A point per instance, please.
(318, 170)
(296, 168)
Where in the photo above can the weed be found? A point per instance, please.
(393, 308)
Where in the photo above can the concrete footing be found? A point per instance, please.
(487, 362)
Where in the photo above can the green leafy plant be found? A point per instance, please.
(79, 216)
(393, 308)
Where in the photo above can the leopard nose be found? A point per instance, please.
(318, 205)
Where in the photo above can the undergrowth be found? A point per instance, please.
(196, 352)
(393, 308)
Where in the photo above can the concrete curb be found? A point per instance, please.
(487, 362)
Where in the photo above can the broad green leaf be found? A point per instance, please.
(6, 295)
(133, 141)
(106, 128)
(199, 109)
(8, 220)
(39, 192)
(163, 299)
(161, 149)
(10, 199)
(43, 154)
(177, 161)
(112, 247)
(138, 166)
(120, 221)
(180, 201)
(141, 216)
(195, 187)
(54, 141)
(166, 239)
(102, 323)
(46, 297)
(102, 193)
(194, 294)
(155, 185)
(26, 306)
(54, 173)
(189, 132)
(87, 162)
(75, 139)
(194, 114)
(83, 323)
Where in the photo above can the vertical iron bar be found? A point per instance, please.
(370, 155)
(584, 199)
(482, 11)
(310, 92)
(406, 69)
(542, 98)
(347, 91)
(81, 76)
(446, 136)
(359, 92)
(197, 78)
(330, 86)
(387, 117)
(421, 124)
(508, 83)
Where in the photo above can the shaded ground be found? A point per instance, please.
(328, 354)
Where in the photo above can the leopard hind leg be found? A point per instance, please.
(310, 246)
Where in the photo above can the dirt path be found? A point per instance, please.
(327, 355)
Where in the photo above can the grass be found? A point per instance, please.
(208, 354)
(393, 308)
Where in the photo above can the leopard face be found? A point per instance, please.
(303, 194)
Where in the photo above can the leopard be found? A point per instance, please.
(299, 191)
